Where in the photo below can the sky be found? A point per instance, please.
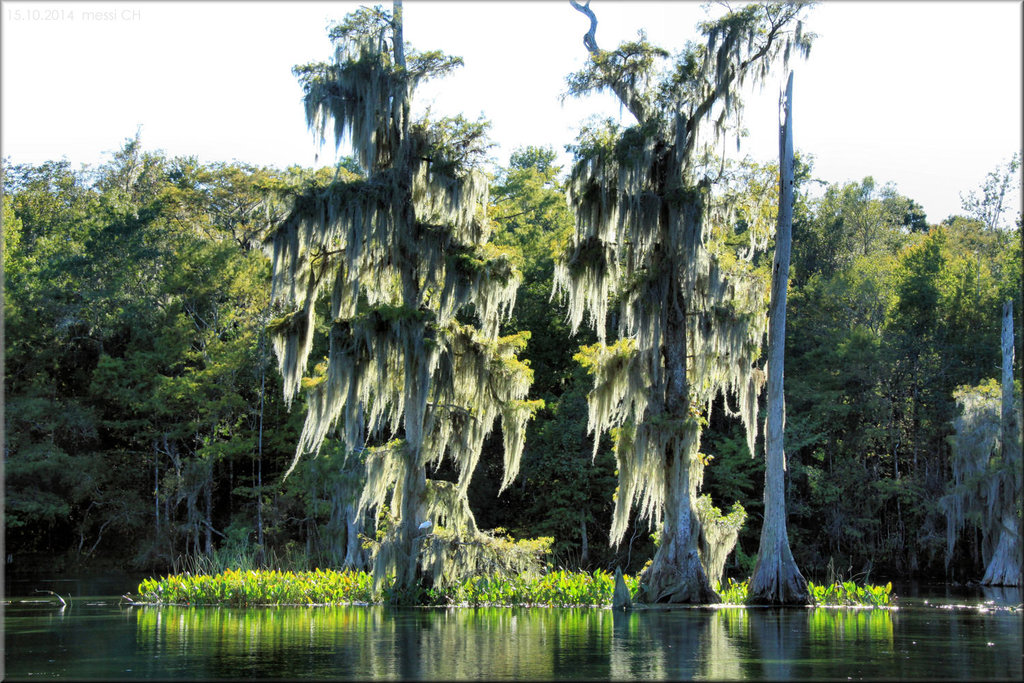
(924, 95)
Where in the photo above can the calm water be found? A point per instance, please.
(95, 638)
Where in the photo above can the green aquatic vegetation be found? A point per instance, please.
(733, 592)
(237, 588)
(847, 593)
(556, 588)
(837, 593)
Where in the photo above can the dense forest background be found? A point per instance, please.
(144, 419)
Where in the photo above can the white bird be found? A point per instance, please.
(426, 525)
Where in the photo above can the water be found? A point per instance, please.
(950, 636)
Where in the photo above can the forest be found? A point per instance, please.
(153, 405)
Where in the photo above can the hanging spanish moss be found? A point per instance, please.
(691, 319)
(987, 479)
(402, 255)
(718, 535)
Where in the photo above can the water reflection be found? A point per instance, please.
(378, 642)
(106, 641)
(683, 643)
(1002, 595)
(777, 637)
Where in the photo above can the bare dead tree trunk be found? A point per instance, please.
(776, 578)
(1004, 569)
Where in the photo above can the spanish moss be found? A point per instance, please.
(402, 255)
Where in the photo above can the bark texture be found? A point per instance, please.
(676, 573)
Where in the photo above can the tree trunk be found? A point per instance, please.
(1004, 569)
(676, 573)
(259, 507)
(414, 481)
(354, 558)
(414, 492)
(776, 579)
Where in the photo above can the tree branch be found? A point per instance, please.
(626, 95)
(589, 41)
(723, 85)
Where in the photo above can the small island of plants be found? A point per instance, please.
(556, 588)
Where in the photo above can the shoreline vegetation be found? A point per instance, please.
(556, 588)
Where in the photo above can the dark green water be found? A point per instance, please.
(95, 638)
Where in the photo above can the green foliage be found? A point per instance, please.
(849, 594)
(556, 589)
(237, 588)
(133, 307)
(454, 144)
(885, 320)
(562, 493)
(732, 592)
(836, 594)
(250, 588)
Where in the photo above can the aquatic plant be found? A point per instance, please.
(237, 588)
(555, 588)
(850, 594)
(836, 593)
(733, 592)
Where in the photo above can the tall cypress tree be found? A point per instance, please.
(416, 366)
(689, 326)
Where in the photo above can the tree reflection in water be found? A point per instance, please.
(548, 643)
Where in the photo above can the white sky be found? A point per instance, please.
(926, 95)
